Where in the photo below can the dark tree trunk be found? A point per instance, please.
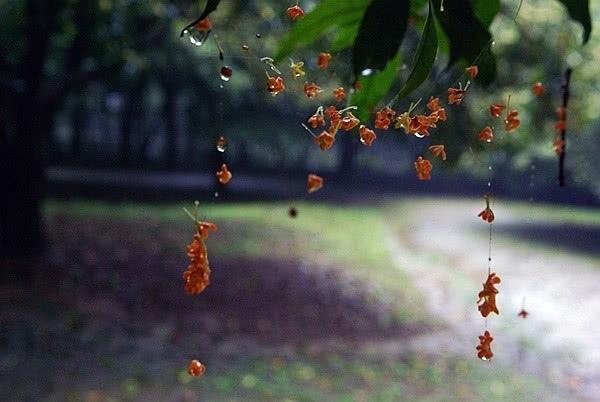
(346, 167)
(79, 121)
(20, 206)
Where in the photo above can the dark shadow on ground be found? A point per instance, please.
(578, 238)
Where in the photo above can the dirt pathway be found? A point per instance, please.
(445, 249)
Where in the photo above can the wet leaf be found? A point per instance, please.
(382, 29)
(579, 10)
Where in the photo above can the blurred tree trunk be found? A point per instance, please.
(79, 122)
(346, 167)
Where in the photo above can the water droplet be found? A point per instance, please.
(258, 36)
(216, 194)
(489, 184)
(221, 144)
(442, 6)
(197, 38)
(226, 73)
(366, 72)
(493, 43)
(419, 135)
(245, 48)
(490, 168)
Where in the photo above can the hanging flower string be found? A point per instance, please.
(560, 142)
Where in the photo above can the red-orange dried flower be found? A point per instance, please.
(438, 151)
(439, 114)
(323, 60)
(433, 104)
(275, 85)
(487, 297)
(456, 95)
(538, 89)
(484, 349)
(487, 214)
(196, 369)
(383, 118)
(349, 122)
(335, 118)
(523, 313)
(224, 175)
(204, 25)
(512, 122)
(340, 94)
(316, 120)
(197, 275)
(559, 146)
(312, 90)
(295, 12)
(367, 136)
(325, 140)
(472, 71)
(496, 109)
(314, 183)
(486, 135)
(423, 168)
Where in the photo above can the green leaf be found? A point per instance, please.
(375, 87)
(470, 41)
(485, 10)
(579, 10)
(344, 38)
(425, 57)
(381, 32)
(327, 15)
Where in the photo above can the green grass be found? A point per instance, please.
(351, 239)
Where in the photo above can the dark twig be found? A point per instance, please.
(566, 92)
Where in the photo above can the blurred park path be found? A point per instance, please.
(444, 247)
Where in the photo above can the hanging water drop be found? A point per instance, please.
(442, 6)
(226, 73)
(258, 35)
(366, 72)
(216, 194)
(221, 144)
(245, 48)
(489, 184)
(197, 38)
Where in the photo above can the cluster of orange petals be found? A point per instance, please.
(456, 95)
(438, 151)
(486, 135)
(197, 275)
(275, 85)
(487, 297)
(323, 60)
(204, 25)
(340, 94)
(367, 136)
(196, 369)
(487, 215)
(484, 349)
(512, 122)
(295, 12)
(314, 183)
(538, 89)
(384, 117)
(312, 90)
(337, 121)
(419, 125)
(423, 168)
(224, 175)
